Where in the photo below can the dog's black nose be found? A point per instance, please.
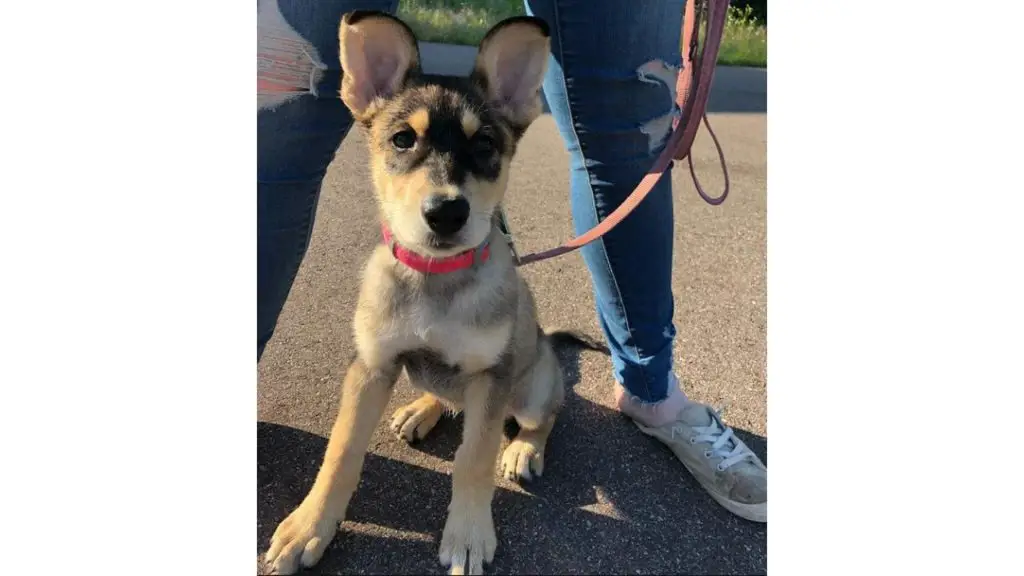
(445, 215)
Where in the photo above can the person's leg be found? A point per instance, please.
(300, 123)
(611, 89)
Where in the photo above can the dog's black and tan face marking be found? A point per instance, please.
(449, 134)
(441, 153)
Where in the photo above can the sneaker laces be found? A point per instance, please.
(722, 439)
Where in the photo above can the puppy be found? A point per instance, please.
(440, 298)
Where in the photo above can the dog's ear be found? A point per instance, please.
(510, 67)
(378, 52)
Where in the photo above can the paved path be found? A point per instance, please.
(612, 500)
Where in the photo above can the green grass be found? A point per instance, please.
(745, 42)
(456, 21)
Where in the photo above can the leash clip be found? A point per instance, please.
(503, 227)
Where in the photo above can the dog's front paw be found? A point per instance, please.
(468, 540)
(302, 536)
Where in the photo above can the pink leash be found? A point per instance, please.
(692, 89)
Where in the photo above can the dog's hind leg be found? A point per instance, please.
(416, 419)
(524, 456)
(535, 414)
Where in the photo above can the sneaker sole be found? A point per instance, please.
(752, 512)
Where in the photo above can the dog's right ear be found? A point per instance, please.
(378, 51)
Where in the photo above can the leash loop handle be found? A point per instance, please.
(721, 160)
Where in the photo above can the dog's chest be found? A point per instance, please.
(466, 326)
(470, 348)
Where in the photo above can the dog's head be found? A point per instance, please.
(440, 154)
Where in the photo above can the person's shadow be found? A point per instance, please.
(611, 501)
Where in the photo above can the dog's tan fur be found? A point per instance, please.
(468, 339)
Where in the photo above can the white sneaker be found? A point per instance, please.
(733, 475)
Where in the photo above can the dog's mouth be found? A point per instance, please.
(435, 242)
(431, 244)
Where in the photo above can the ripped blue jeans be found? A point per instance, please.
(610, 87)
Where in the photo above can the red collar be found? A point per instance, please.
(460, 261)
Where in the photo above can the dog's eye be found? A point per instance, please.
(404, 140)
(483, 144)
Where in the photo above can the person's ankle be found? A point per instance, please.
(651, 413)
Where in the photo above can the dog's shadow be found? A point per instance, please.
(611, 501)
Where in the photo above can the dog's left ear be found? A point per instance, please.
(510, 67)
(378, 52)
